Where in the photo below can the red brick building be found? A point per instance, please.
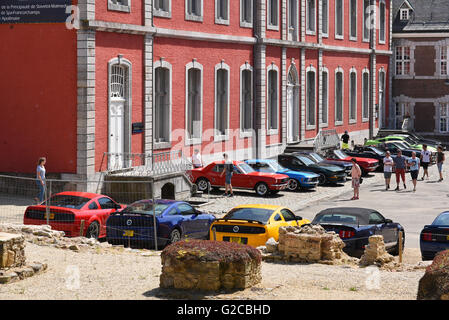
(241, 75)
(420, 75)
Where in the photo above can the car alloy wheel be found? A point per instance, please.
(203, 184)
(93, 231)
(262, 189)
(292, 184)
(321, 179)
(175, 236)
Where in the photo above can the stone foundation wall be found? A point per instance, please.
(12, 250)
(375, 253)
(209, 275)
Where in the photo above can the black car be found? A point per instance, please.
(395, 146)
(417, 137)
(434, 238)
(368, 152)
(356, 225)
(347, 166)
(328, 173)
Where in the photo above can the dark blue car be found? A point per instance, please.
(435, 237)
(356, 225)
(175, 220)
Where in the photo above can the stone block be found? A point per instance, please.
(12, 250)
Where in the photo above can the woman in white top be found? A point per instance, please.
(40, 176)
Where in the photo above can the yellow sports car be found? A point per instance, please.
(253, 224)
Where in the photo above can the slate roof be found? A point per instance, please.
(427, 16)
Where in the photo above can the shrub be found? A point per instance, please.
(205, 250)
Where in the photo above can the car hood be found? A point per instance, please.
(337, 162)
(267, 175)
(300, 173)
(326, 166)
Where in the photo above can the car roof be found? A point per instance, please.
(88, 195)
(261, 160)
(259, 206)
(161, 201)
(361, 213)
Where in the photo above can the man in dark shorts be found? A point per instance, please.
(425, 160)
(413, 163)
(400, 164)
(345, 139)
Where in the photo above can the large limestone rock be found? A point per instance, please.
(12, 250)
(209, 266)
(434, 285)
(375, 253)
(309, 244)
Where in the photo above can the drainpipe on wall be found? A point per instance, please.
(372, 97)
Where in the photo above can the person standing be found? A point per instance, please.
(356, 173)
(40, 179)
(400, 164)
(388, 169)
(228, 170)
(440, 160)
(413, 163)
(196, 159)
(345, 139)
(425, 160)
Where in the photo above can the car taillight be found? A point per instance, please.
(427, 237)
(346, 234)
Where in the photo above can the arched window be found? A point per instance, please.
(222, 73)
(310, 96)
(117, 83)
(246, 99)
(353, 95)
(339, 95)
(162, 102)
(365, 94)
(194, 102)
(272, 99)
(324, 96)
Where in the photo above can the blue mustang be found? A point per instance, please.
(174, 220)
(356, 225)
(298, 179)
(435, 237)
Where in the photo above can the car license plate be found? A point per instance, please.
(236, 240)
(128, 233)
(52, 216)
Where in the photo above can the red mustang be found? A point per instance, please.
(366, 164)
(244, 177)
(68, 209)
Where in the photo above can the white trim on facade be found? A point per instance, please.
(222, 20)
(365, 71)
(270, 25)
(249, 132)
(162, 63)
(352, 38)
(119, 5)
(308, 30)
(161, 13)
(354, 118)
(337, 36)
(310, 126)
(382, 2)
(246, 24)
(193, 65)
(272, 67)
(339, 70)
(325, 124)
(222, 66)
(192, 16)
(324, 33)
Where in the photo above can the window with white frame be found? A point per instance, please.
(222, 72)
(119, 5)
(194, 10)
(382, 93)
(366, 20)
(404, 14)
(365, 94)
(402, 61)
(162, 101)
(444, 117)
(292, 20)
(325, 17)
(311, 16)
(222, 11)
(382, 21)
(353, 96)
(402, 111)
(162, 8)
(353, 20)
(310, 96)
(444, 53)
(325, 96)
(273, 14)
(339, 96)
(339, 19)
(272, 98)
(246, 13)
(117, 82)
(246, 98)
(194, 102)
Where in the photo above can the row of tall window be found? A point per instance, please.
(194, 94)
(194, 11)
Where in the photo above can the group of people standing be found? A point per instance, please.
(400, 163)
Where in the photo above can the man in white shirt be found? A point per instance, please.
(196, 159)
(388, 169)
(425, 160)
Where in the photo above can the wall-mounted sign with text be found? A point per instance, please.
(34, 11)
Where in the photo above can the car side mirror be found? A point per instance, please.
(388, 221)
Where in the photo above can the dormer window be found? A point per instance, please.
(405, 14)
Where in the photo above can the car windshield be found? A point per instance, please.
(377, 151)
(256, 214)
(317, 157)
(145, 207)
(442, 220)
(340, 154)
(276, 166)
(306, 160)
(410, 140)
(245, 168)
(335, 218)
(68, 201)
